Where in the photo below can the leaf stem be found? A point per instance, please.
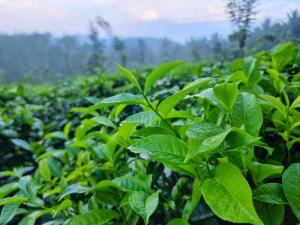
(160, 116)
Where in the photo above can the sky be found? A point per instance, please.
(175, 19)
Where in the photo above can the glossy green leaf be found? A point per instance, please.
(168, 104)
(276, 103)
(229, 195)
(226, 94)
(247, 112)
(31, 218)
(205, 137)
(270, 193)
(56, 134)
(163, 148)
(22, 144)
(144, 204)
(8, 188)
(130, 77)
(270, 214)
(158, 72)
(130, 183)
(103, 121)
(14, 199)
(124, 98)
(145, 117)
(8, 212)
(44, 170)
(291, 184)
(296, 103)
(260, 171)
(178, 221)
(75, 189)
(94, 217)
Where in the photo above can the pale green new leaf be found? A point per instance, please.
(130, 77)
(160, 71)
(226, 94)
(291, 187)
(229, 195)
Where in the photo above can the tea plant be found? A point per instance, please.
(219, 148)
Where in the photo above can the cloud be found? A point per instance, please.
(149, 15)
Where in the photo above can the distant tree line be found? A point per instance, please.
(43, 58)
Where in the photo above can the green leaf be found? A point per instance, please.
(160, 71)
(238, 138)
(124, 98)
(283, 54)
(94, 217)
(191, 204)
(167, 104)
(145, 117)
(205, 137)
(22, 144)
(67, 128)
(8, 188)
(32, 217)
(75, 189)
(229, 195)
(270, 214)
(63, 205)
(270, 193)
(163, 148)
(296, 103)
(103, 121)
(56, 134)
(130, 183)
(44, 170)
(246, 111)
(178, 221)
(226, 94)
(130, 77)
(8, 212)
(14, 199)
(144, 204)
(261, 171)
(291, 184)
(276, 103)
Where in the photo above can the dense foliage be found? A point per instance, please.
(180, 144)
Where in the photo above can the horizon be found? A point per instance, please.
(136, 19)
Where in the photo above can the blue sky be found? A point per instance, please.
(175, 19)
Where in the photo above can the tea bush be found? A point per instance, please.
(179, 144)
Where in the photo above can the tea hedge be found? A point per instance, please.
(177, 144)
